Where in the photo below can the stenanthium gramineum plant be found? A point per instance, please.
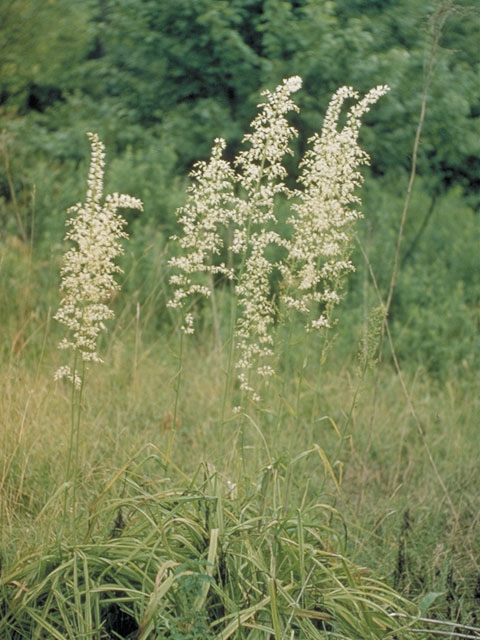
(88, 279)
(240, 202)
(319, 249)
(88, 268)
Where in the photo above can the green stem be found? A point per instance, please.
(70, 449)
(216, 322)
(281, 396)
(173, 430)
(301, 377)
(229, 376)
(77, 447)
(13, 195)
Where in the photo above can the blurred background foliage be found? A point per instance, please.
(160, 80)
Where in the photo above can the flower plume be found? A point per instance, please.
(239, 202)
(318, 251)
(207, 211)
(88, 267)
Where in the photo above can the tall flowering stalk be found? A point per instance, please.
(326, 207)
(88, 282)
(204, 217)
(243, 199)
(206, 213)
(88, 267)
(213, 206)
(261, 174)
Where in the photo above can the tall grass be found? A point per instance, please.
(207, 560)
(193, 520)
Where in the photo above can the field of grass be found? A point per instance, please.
(252, 479)
(392, 515)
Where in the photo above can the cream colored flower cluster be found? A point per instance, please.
(206, 214)
(88, 268)
(240, 202)
(253, 333)
(212, 206)
(318, 252)
(261, 175)
(260, 166)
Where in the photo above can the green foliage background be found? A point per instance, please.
(159, 80)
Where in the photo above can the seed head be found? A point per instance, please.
(261, 172)
(261, 175)
(209, 207)
(88, 267)
(319, 249)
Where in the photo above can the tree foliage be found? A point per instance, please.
(160, 80)
(197, 66)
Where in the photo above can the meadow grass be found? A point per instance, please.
(397, 522)
(233, 483)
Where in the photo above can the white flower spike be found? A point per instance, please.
(88, 268)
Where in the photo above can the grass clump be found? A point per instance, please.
(208, 560)
(275, 268)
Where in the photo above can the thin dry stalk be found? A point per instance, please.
(437, 22)
(438, 19)
(4, 142)
(408, 398)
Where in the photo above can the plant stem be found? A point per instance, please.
(178, 377)
(437, 20)
(216, 322)
(229, 376)
(70, 448)
(413, 413)
(77, 447)
(13, 196)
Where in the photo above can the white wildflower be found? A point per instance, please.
(318, 252)
(254, 327)
(204, 217)
(66, 372)
(260, 166)
(187, 327)
(88, 268)
(261, 174)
